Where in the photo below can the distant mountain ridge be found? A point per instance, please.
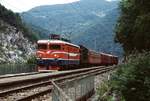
(83, 21)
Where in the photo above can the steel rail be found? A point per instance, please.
(47, 77)
(20, 74)
(28, 98)
(64, 77)
(5, 92)
(94, 72)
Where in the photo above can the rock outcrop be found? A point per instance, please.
(14, 47)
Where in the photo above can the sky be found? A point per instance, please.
(25, 5)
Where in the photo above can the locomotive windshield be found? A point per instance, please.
(42, 46)
(54, 47)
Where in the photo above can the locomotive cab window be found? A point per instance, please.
(54, 47)
(42, 46)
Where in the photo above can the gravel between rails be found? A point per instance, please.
(23, 93)
(46, 97)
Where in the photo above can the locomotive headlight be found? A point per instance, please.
(56, 56)
(40, 56)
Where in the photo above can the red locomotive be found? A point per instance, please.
(59, 55)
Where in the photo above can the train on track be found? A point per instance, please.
(56, 54)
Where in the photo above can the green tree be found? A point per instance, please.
(132, 29)
(133, 78)
(15, 20)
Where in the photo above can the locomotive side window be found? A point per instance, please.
(54, 47)
(72, 48)
(42, 46)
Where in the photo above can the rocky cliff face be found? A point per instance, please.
(14, 47)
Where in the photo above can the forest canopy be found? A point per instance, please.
(133, 27)
(15, 20)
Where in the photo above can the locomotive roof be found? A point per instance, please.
(57, 42)
(102, 53)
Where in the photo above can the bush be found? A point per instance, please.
(132, 79)
(103, 91)
(31, 60)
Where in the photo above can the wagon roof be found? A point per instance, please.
(108, 54)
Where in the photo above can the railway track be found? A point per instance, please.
(16, 75)
(43, 87)
(28, 79)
